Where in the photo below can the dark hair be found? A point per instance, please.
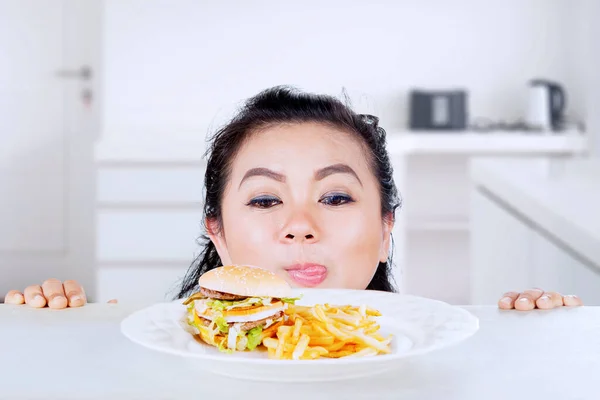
(274, 106)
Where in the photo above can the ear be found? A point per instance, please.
(218, 239)
(387, 227)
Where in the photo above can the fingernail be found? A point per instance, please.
(39, 298)
(523, 300)
(505, 300)
(75, 298)
(545, 298)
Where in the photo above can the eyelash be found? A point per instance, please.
(259, 202)
(338, 196)
(331, 200)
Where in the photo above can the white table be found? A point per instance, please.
(81, 354)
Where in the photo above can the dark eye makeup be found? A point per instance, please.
(264, 202)
(334, 200)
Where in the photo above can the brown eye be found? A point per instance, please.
(264, 202)
(336, 199)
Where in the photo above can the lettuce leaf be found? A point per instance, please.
(221, 323)
(290, 300)
(195, 296)
(222, 346)
(222, 305)
(217, 305)
(254, 337)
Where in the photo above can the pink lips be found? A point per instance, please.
(307, 274)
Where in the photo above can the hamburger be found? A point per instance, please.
(237, 306)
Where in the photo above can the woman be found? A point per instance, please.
(299, 184)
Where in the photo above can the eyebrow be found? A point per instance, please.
(336, 169)
(262, 172)
(319, 175)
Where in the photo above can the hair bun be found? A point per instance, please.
(373, 122)
(370, 119)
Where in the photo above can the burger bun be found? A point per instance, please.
(245, 280)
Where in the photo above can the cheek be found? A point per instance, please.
(358, 246)
(358, 232)
(247, 236)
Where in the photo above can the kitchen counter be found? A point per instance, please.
(81, 354)
(560, 197)
(187, 148)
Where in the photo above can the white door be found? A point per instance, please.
(48, 122)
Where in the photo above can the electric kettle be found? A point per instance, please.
(547, 101)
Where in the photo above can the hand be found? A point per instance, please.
(53, 293)
(536, 298)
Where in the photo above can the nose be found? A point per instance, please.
(299, 229)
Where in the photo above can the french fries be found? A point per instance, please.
(326, 331)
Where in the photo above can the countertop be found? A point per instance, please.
(187, 147)
(560, 196)
(81, 354)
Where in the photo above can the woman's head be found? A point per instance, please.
(300, 184)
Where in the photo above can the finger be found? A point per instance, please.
(572, 301)
(545, 302)
(525, 302)
(507, 301)
(54, 293)
(113, 301)
(549, 300)
(14, 297)
(74, 292)
(535, 293)
(34, 296)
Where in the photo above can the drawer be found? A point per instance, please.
(138, 285)
(150, 185)
(147, 235)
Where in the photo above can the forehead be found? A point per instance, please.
(308, 144)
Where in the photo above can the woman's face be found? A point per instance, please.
(302, 202)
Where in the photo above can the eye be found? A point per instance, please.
(336, 199)
(264, 202)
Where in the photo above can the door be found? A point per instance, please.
(49, 57)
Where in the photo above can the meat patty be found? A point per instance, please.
(213, 294)
(246, 326)
(262, 322)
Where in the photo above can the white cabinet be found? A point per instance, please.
(510, 252)
(148, 220)
(556, 268)
(435, 186)
(500, 248)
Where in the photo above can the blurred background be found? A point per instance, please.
(491, 110)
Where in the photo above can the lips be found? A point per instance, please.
(307, 274)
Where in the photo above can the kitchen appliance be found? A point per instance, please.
(546, 105)
(438, 110)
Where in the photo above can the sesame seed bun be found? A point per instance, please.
(245, 280)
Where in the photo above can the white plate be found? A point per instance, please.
(419, 325)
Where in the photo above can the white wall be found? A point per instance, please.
(180, 67)
(586, 64)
